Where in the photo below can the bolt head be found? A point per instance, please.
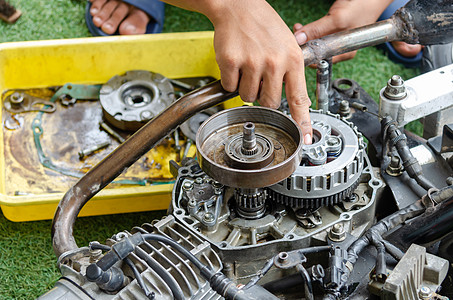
(425, 292)
(199, 180)
(187, 186)
(208, 217)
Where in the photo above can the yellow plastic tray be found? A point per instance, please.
(92, 61)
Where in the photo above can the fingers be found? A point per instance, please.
(314, 30)
(299, 103)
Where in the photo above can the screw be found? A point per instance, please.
(91, 150)
(112, 132)
(199, 180)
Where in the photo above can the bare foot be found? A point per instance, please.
(113, 15)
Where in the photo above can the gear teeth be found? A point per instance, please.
(314, 203)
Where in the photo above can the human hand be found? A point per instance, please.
(343, 15)
(256, 52)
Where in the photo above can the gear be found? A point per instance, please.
(250, 202)
(313, 203)
(334, 163)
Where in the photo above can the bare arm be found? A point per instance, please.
(256, 52)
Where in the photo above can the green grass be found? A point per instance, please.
(27, 262)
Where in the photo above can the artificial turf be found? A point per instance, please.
(27, 262)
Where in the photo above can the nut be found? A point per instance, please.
(395, 90)
(337, 233)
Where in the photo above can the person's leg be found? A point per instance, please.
(113, 15)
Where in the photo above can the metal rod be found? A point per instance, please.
(350, 40)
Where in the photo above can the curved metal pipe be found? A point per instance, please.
(124, 156)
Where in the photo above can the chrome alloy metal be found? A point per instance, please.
(332, 165)
(220, 144)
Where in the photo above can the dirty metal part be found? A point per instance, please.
(112, 132)
(322, 86)
(149, 259)
(177, 145)
(13, 122)
(187, 146)
(419, 21)
(219, 147)
(344, 111)
(90, 150)
(20, 102)
(308, 218)
(124, 156)
(250, 203)
(129, 101)
(245, 242)
(203, 198)
(329, 176)
(190, 127)
(394, 168)
(415, 270)
(77, 91)
(337, 233)
(70, 93)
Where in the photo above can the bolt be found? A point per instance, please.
(344, 109)
(282, 257)
(449, 181)
(425, 293)
(187, 186)
(95, 254)
(199, 180)
(106, 89)
(394, 168)
(91, 150)
(395, 89)
(146, 115)
(218, 191)
(337, 233)
(208, 217)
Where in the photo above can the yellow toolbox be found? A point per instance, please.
(39, 64)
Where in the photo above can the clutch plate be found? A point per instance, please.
(249, 146)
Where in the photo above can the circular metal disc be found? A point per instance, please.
(223, 128)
